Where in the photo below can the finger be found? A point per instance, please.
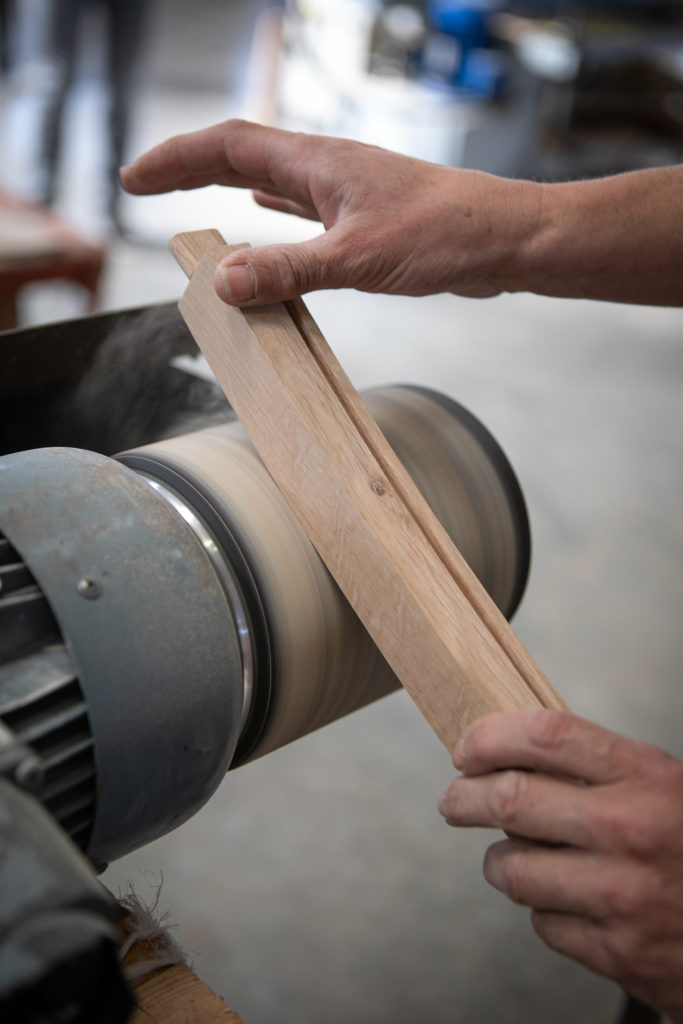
(276, 201)
(182, 162)
(561, 879)
(233, 153)
(253, 277)
(582, 939)
(548, 741)
(532, 806)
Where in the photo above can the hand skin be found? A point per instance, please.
(399, 225)
(595, 841)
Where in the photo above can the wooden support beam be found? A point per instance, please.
(166, 990)
(452, 649)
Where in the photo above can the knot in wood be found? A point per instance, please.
(378, 487)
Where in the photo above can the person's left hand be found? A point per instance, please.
(595, 847)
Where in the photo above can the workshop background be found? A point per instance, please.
(320, 883)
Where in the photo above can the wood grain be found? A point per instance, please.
(454, 652)
(175, 995)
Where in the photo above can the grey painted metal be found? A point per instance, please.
(148, 626)
(17, 762)
(58, 940)
(33, 676)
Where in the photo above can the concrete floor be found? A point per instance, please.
(320, 883)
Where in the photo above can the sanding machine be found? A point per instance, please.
(164, 618)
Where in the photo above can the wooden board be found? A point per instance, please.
(453, 651)
(175, 995)
(166, 990)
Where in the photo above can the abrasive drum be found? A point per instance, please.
(313, 660)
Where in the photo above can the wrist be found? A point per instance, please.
(522, 224)
(566, 240)
(494, 232)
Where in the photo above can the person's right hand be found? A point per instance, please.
(393, 223)
(595, 841)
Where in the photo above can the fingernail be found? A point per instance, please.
(459, 755)
(239, 283)
(443, 803)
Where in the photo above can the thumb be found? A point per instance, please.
(274, 273)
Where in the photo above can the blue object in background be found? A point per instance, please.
(459, 53)
(465, 21)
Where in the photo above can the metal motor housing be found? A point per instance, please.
(141, 637)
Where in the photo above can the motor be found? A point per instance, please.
(163, 616)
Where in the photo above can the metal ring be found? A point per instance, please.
(228, 582)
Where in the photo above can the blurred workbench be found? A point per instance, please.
(36, 245)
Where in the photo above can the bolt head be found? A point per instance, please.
(89, 588)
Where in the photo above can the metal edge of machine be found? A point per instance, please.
(132, 612)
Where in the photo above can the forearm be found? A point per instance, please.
(618, 238)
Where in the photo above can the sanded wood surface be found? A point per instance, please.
(175, 995)
(453, 651)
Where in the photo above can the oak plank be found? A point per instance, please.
(454, 652)
(464, 577)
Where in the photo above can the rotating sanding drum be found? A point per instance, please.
(311, 660)
(175, 597)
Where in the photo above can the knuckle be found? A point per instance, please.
(637, 832)
(629, 898)
(475, 746)
(507, 797)
(630, 955)
(295, 272)
(337, 147)
(447, 806)
(549, 727)
(612, 903)
(508, 875)
(299, 269)
(617, 952)
(613, 900)
(548, 929)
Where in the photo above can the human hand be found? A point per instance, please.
(595, 847)
(392, 223)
